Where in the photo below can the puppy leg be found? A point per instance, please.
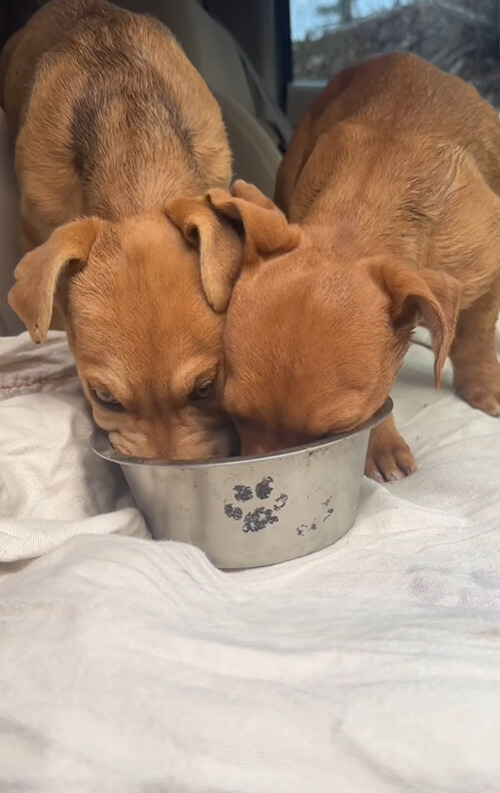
(473, 354)
(388, 457)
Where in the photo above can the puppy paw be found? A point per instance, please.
(388, 458)
(482, 390)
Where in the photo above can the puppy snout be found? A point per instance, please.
(177, 443)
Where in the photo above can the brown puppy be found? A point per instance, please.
(392, 178)
(112, 123)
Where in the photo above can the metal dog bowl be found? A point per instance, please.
(253, 511)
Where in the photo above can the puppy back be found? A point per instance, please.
(111, 93)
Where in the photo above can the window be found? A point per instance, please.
(459, 36)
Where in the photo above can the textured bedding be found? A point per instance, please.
(130, 666)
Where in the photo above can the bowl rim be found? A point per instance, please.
(101, 446)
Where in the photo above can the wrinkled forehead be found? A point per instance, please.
(141, 267)
(142, 249)
(137, 308)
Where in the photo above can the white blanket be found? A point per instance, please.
(51, 485)
(129, 666)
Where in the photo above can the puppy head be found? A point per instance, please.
(312, 348)
(142, 301)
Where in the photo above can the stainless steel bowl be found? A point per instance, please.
(253, 511)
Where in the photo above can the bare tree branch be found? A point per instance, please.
(464, 14)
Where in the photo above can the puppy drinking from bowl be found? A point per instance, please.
(113, 127)
(390, 185)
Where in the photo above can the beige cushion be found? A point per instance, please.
(255, 157)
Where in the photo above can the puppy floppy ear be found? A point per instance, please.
(265, 230)
(219, 246)
(38, 273)
(248, 192)
(229, 232)
(425, 294)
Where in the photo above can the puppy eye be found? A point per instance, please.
(106, 399)
(201, 393)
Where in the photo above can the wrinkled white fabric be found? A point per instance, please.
(128, 666)
(51, 485)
